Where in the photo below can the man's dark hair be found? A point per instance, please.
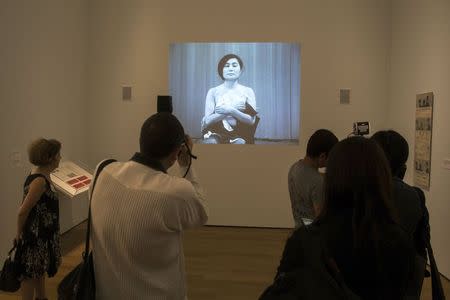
(160, 134)
(321, 142)
(395, 148)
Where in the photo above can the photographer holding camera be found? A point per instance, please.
(139, 213)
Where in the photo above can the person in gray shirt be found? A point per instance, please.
(304, 180)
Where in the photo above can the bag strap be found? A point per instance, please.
(100, 167)
(437, 291)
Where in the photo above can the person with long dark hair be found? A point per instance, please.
(357, 224)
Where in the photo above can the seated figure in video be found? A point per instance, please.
(230, 109)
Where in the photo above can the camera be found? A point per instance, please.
(361, 128)
(164, 104)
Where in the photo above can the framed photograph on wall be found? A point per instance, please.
(423, 139)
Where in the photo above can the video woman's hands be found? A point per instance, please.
(183, 155)
(225, 109)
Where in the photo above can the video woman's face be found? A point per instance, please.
(231, 69)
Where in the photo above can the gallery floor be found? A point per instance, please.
(221, 262)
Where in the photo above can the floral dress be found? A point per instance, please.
(39, 249)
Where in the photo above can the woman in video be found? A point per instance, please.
(230, 109)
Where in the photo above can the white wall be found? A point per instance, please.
(63, 63)
(43, 56)
(345, 44)
(421, 63)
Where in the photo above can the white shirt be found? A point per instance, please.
(138, 215)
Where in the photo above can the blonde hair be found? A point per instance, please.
(41, 152)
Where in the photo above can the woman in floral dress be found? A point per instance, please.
(38, 244)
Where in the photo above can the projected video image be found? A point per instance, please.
(237, 93)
